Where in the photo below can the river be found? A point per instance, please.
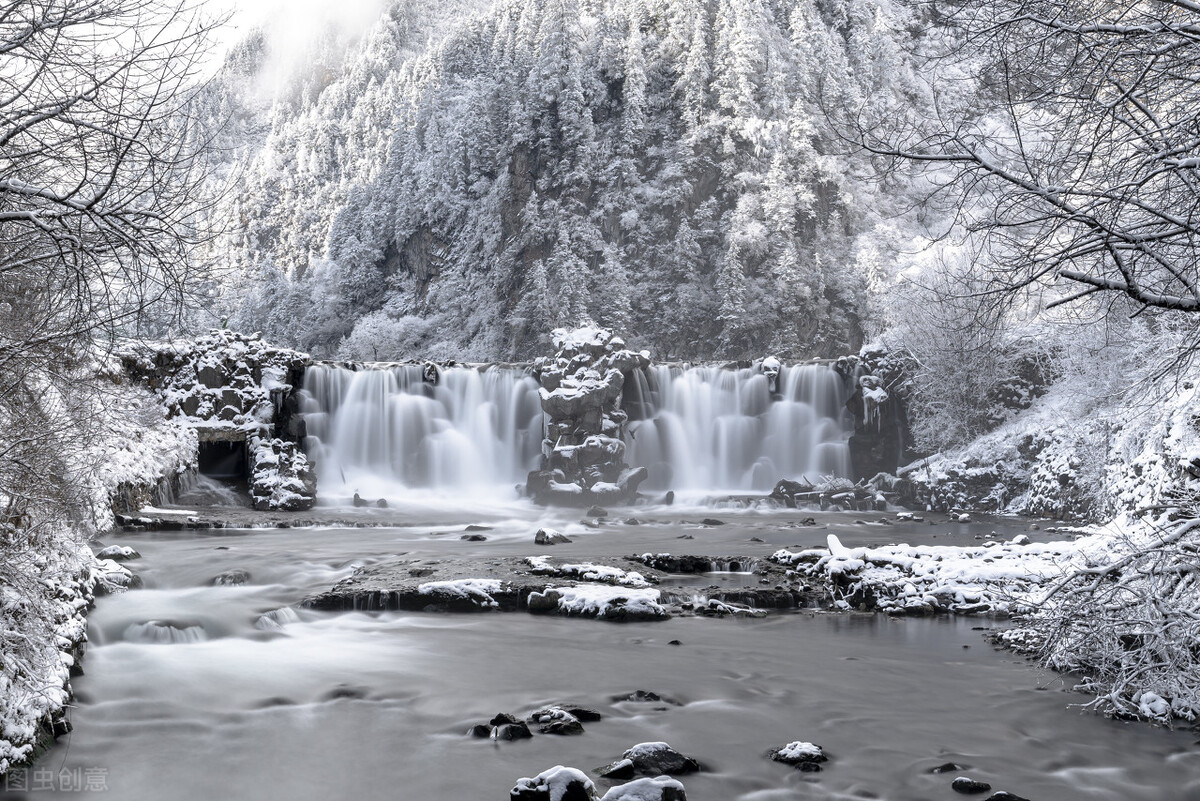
(376, 706)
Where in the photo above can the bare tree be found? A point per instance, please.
(1071, 132)
(101, 162)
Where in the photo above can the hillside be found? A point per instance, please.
(671, 169)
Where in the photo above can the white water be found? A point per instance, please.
(708, 428)
(385, 432)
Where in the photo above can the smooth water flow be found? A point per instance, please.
(708, 428)
(380, 432)
(194, 691)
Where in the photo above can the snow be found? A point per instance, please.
(646, 750)
(473, 589)
(1153, 706)
(601, 601)
(996, 577)
(587, 571)
(576, 339)
(798, 750)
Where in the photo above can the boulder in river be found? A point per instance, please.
(548, 536)
(658, 758)
(231, 578)
(118, 553)
(803, 756)
(969, 786)
(556, 720)
(659, 788)
(557, 784)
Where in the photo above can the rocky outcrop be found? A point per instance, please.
(221, 382)
(878, 399)
(235, 392)
(541, 585)
(281, 476)
(583, 455)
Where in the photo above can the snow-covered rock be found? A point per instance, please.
(587, 571)
(583, 454)
(658, 788)
(599, 601)
(477, 591)
(998, 577)
(802, 755)
(281, 476)
(556, 784)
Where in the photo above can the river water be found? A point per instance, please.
(358, 706)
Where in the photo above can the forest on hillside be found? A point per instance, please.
(456, 183)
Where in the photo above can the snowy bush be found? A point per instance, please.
(1128, 621)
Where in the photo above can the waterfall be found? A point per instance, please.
(709, 428)
(383, 431)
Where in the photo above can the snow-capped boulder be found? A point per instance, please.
(118, 553)
(660, 759)
(557, 784)
(803, 756)
(659, 788)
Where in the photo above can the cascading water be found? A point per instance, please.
(382, 431)
(709, 428)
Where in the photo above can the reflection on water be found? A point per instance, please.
(362, 706)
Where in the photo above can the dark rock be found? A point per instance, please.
(597, 511)
(548, 536)
(584, 713)
(358, 501)
(480, 730)
(948, 767)
(968, 786)
(1004, 795)
(658, 759)
(632, 521)
(504, 718)
(674, 642)
(231, 578)
(712, 521)
(565, 726)
(669, 498)
(556, 720)
(622, 769)
(646, 697)
(345, 691)
(473, 538)
(382, 503)
(476, 527)
(512, 731)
